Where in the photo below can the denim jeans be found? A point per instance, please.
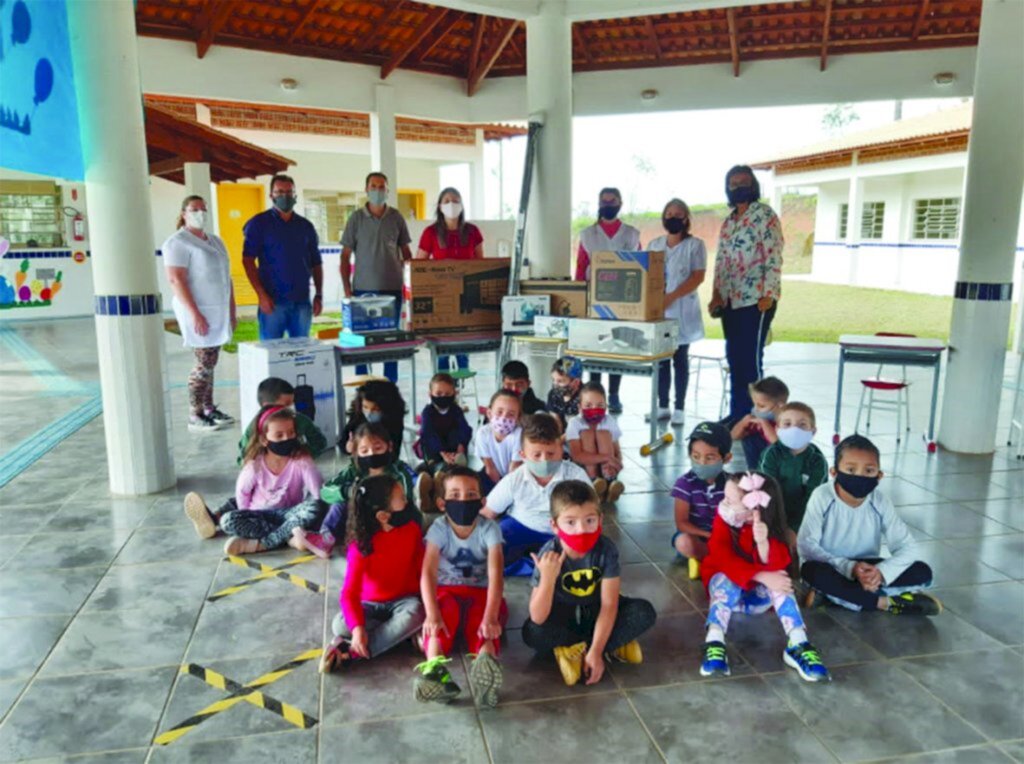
(681, 361)
(291, 318)
(390, 367)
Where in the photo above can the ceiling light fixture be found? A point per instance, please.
(944, 79)
(289, 84)
(649, 94)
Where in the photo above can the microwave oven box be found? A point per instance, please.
(627, 285)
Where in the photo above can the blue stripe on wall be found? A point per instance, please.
(126, 304)
(983, 292)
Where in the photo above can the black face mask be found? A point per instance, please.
(398, 519)
(442, 402)
(675, 225)
(463, 512)
(373, 461)
(283, 447)
(858, 486)
(742, 195)
(609, 211)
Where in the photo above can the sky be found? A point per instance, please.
(684, 154)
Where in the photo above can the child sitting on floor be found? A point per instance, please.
(498, 442)
(699, 491)
(564, 397)
(523, 496)
(376, 401)
(593, 438)
(444, 434)
(576, 610)
(841, 537)
(745, 572)
(380, 600)
(373, 456)
(757, 429)
(515, 377)
(462, 583)
(277, 491)
(274, 391)
(796, 463)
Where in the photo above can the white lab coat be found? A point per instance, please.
(681, 261)
(209, 280)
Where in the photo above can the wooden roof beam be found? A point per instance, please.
(734, 43)
(211, 21)
(487, 63)
(652, 38)
(824, 34)
(167, 166)
(478, 38)
(577, 35)
(380, 27)
(422, 32)
(442, 31)
(307, 14)
(919, 21)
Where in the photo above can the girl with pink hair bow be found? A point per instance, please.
(745, 572)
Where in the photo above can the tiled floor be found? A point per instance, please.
(103, 599)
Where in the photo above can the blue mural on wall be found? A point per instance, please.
(38, 110)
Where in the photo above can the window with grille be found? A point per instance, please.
(31, 214)
(844, 214)
(937, 218)
(872, 219)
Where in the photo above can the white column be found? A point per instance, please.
(776, 200)
(383, 149)
(476, 179)
(854, 203)
(197, 181)
(129, 325)
(203, 115)
(988, 235)
(549, 93)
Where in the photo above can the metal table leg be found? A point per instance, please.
(654, 402)
(839, 395)
(339, 397)
(412, 364)
(935, 401)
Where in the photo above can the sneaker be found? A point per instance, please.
(614, 405)
(914, 603)
(678, 417)
(201, 423)
(220, 418)
(663, 413)
(202, 520)
(716, 662)
(425, 487)
(237, 545)
(485, 679)
(435, 681)
(629, 653)
(693, 568)
(601, 489)
(805, 659)
(320, 545)
(336, 655)
(615, 489)
(570, 661)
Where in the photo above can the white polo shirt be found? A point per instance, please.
(526, 500)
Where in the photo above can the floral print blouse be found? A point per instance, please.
(749, 262)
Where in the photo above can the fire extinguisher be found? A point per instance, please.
(78, 227)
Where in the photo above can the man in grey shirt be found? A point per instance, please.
(379, 237)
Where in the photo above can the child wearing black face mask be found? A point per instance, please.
(462, 583)
(373, 456)
(841, 536)
(444, 434)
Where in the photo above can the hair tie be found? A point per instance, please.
(270, 411)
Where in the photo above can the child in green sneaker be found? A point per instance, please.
(462, 583)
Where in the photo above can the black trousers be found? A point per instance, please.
(614, 382)
(746, 330)
(565, 626)
(829, 581)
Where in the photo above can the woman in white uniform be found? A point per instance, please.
(685, 264)
(199, 273)
(608, 234)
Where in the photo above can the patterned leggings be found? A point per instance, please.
(727, 598)
(273, 527)
(200, 380)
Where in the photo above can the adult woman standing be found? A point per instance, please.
(204, 304)
(685, 265)
(607, 234)
(748, 282)
(451, 238)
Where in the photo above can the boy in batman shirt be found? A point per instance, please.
(576, 611)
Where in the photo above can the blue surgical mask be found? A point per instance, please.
(373, 416)
(707, 471)
(377, 197)
(543, 469)
(794, 437)
(769, 415)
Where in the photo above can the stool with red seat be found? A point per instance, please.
(880, 384)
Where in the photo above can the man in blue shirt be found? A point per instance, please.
(280, 254)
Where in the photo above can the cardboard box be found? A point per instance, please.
(627, 285)
(637, 339)
(449, 296)
(307, 364)
(369, 339)
(368, 313)
(568, 298)
(551, 326)
(517, 313)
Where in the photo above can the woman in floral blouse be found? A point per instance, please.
(748, 280)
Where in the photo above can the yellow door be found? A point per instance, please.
(236, 203)
(412, 203)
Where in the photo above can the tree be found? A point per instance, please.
(839, 116)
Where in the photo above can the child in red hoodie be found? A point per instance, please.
(745, 572)
(380, 601)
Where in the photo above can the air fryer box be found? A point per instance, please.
(307, 364)
(551, 326)
(450, 296)
(517, 313)
(568, 298)
(369, 313)
(637, 339)
(627, 285)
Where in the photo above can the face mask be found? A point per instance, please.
(609, 211)
(398, 519)
(283, 447)
(451, 210)
(377, 198)
(442, 402)
(741, 195)
(373, 416)
(707, 471)
(373, 461)
(284, 203)
(463, 512)
(594, 415)
(543, 469)
(579, 542)
(195, 219)
(769, 415)
(504, 425)
(674, 225)
(858, 486)
(733, 515)
(794, 437)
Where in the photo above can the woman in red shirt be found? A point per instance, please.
(451, 238)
